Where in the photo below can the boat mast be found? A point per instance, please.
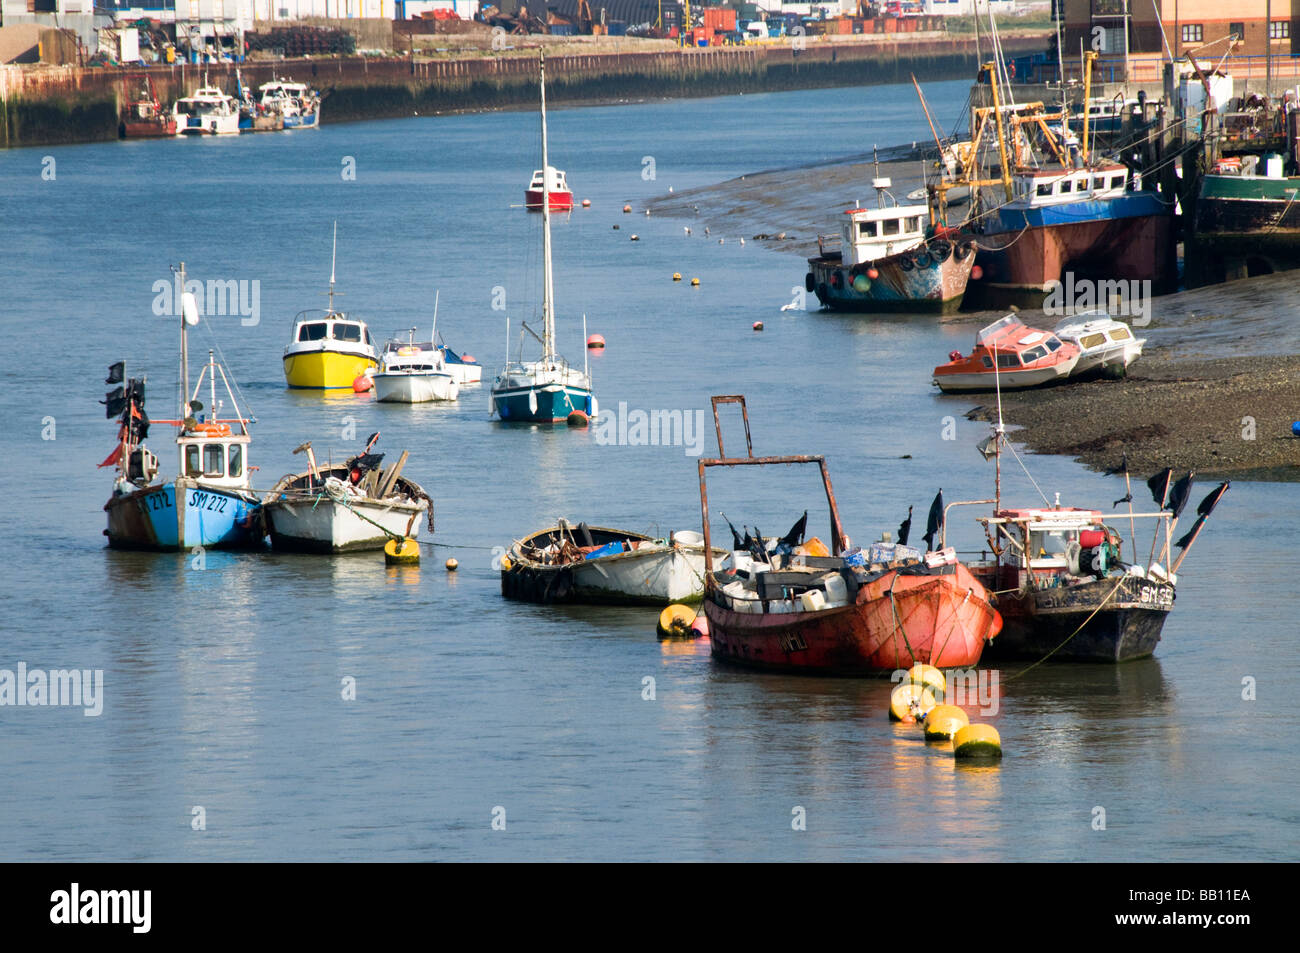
(333, 258)
(185, 353)
(548, 306)
(1002, 141)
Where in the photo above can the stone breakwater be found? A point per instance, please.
(62, 104)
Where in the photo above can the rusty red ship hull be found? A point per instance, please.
(900, 617)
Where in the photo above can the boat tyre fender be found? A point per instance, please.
(965, 250)
(940, 251)
(809, 283)
(921, 258)
(906, 263)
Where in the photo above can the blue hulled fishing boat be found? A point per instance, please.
(209, 503)
(547, 390)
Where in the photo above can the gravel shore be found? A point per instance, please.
(1217, 387)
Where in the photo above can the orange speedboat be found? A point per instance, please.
(1010, 356)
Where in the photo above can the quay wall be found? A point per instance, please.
(63, 104)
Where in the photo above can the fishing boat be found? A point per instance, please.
(1051, 210)
(413, 373)
(353, 506)
(891, 258)
(209, 112)
(143, 116)
(1009, 355)
(1247, 219)
(551, 189)
(296, 102)
(847, 612)
(546, 390)
(328, 349)
(594, 564)
(209, 503)
(253, 116)
(1059, 575)
(1106, 345)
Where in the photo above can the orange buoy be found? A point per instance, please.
(873, 274)
(586, 203)
(468, 358)
(578, 418)
(758, 325)
(452, 564)
(362, 384)
(596, 341)
(700, 626)
(976, 273)
(627, 209)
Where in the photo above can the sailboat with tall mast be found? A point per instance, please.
(547, 390)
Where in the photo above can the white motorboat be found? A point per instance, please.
(209, 112)
(413, 373)
(1107, 346)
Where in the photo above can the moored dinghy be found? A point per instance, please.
(595, 564)
(1010, 356)
(349, 507)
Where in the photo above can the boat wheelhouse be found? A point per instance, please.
(1010, 356)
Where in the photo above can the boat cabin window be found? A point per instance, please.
(1117, 181)
(1048, 543)
(914, 223)
(1008, 360)
(192, 467)
(1090, 341)
(365, 333)
(347, 332)
(1066, 186)
(1121, 333)
(214, 460)
(313, 332)
(889, 226)
(1053, 343)
(867, 229)
(236, 460)
(1044, 188)
(1033, 354)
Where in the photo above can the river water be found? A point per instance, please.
(223, 685)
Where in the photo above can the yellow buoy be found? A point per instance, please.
(695, 282)
(675, 622)
(910, 702)
(395, 554)
(930, 677)
(677, 276)
(977, 741)
(943, 722)
(452, 564)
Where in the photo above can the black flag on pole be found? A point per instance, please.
(1203, 512)
(905, 528)
(1179, 494)
(1122, 468)
(934, 523)
(1159, 485)
(116, 372)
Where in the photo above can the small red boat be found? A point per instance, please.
(847, 613)
(555, 186)
(1025, 357)
(143, 116)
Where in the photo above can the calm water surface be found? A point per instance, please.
(223, 684)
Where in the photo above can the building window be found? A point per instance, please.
(1279, 29)
(1238, 30)
(1193, 33)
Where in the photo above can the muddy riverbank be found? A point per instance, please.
(1216, 389)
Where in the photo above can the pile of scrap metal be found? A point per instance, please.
(521, 22)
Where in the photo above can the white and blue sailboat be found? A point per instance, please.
(547, 390)
(209, 503)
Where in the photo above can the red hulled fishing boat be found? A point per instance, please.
(786, 605)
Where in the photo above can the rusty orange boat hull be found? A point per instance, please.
(940, 617)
